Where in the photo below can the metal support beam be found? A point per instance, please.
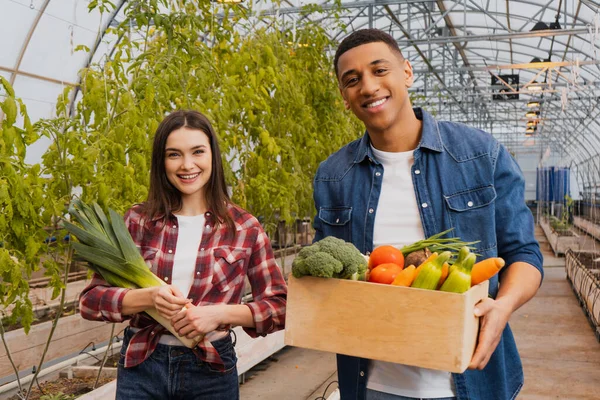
(425, 60)
(35, 76)
(540, 65)
(492, 37)
(27, 40)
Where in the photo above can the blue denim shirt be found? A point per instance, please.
(463, 179)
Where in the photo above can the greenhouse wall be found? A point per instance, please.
(553, 184)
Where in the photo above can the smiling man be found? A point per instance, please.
(410, 177)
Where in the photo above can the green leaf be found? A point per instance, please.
(82, 47)
(9, 107)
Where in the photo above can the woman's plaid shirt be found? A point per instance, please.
(224, 260)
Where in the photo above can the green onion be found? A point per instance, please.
(436, 243)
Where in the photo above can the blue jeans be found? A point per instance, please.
(375, 395)
(174, 372)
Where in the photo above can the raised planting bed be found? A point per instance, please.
(587, 226)
(562, 240)
(71, 336)
(583, 272)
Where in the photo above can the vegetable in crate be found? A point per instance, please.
(435, 243)
(405, 277)
(459, 279)
(110, 250)
(485, 269)
(330, 257)
(384, 273)
(430, 272)
(385, 255)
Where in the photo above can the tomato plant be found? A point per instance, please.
(386, 254)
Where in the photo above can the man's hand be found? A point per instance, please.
(198, 320)
(494, 317)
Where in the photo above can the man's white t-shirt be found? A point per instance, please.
(398, 223)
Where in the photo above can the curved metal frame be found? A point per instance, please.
(435, 38)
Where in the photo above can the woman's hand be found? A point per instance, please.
(198, 320)
(168, 301)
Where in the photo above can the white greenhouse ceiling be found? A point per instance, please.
(483, 62)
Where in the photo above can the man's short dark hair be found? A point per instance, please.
(364, 36)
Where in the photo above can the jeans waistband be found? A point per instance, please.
(168, 339)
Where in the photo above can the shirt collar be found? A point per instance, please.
(430, 137)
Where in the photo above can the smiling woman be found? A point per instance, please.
(188, 162)
(203, 246)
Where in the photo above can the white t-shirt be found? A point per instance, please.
(186, 252)
(398, 223)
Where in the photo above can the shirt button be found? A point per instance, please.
(470, 204)
(368, 252)
(170, 251)
(198, 273)
(174, 226)
(207, 226)
(362, 373)
(166, 278)
(424, 205)
(202, 249)
(377, 173)
(417, 172)
(337, 220)
(371, 211)
(370, 159)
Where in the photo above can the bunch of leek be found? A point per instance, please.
(110, 251)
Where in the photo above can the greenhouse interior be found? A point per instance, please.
(86, 84)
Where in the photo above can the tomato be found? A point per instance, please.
(386, 254)
(384, 273)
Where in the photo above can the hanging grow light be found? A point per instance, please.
(535, 87)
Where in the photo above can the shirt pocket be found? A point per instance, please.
(229, 267)
(149, 254)
(336, 222)
(472, 215)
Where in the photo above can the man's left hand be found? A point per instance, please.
(494, 315)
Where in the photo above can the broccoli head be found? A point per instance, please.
(349, 262)
(318, 264)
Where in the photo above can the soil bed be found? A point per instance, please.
(69, 388)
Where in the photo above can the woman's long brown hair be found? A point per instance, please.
(163, 197)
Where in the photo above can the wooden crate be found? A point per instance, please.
(424, 328)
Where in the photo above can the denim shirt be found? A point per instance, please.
(463, 179)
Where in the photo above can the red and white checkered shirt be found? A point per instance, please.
(223, 261)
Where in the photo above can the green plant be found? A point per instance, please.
(269, 91)
(57, 396)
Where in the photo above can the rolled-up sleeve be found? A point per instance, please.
(269, 290)
(101, 302)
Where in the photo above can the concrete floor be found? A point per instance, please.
(560, 354)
